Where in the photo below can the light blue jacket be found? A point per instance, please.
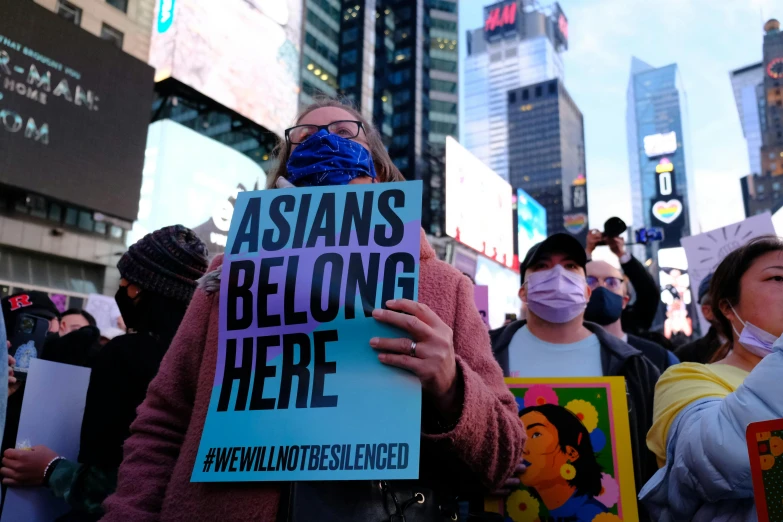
(707, 471)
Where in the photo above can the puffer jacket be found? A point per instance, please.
(707, 472)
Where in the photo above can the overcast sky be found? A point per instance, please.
(707, 39)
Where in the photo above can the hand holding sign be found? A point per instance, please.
(429, 353)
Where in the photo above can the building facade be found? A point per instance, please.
(397, 61)
(125, 23)
(661, 183)
(745, 83)
(520, 44)
(546, 146)
(761, 114)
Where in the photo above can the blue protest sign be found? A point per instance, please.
(299, 394)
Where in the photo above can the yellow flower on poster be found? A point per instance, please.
(585, 412)
(522, 507)
(607, 517)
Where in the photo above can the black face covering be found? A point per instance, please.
(604, 307)
(128, 310)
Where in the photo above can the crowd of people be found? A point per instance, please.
(688, 406)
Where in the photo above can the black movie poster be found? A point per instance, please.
(74, 111)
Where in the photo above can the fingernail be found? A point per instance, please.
(391, 302)
(374, 341)
(377, 312)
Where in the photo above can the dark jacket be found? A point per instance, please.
(640, 315)
(657, 354)
(701, 350)
(617, 359)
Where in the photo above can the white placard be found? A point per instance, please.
(52, 412)
(705, 251)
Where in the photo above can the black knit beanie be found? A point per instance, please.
(168, 262)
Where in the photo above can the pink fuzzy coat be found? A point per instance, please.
(154, 479)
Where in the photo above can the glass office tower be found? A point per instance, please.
(520, 44)
(546, 144)
(656, 120)
(397, 61)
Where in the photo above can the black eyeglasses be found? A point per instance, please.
(612, 283)
(347, 129)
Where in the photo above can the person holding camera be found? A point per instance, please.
(638, 316)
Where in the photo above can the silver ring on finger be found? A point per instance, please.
(413, 349)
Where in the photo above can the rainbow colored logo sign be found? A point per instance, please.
(667, 211)
(575, 223)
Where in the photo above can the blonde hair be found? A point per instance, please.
(384, 167)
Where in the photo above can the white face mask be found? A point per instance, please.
(757, 341)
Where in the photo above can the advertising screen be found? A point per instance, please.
(503, 290)
(531, 223)
(205, 176)
(74, 112)
(660, 144)
(243, 54)
(478, 205)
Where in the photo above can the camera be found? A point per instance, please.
(613, 227)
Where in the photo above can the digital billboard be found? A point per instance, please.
(531, 223)
(74, 111)
(203, 175)
(244, 54)
(503, 290)
(478, 205)
(659, 144)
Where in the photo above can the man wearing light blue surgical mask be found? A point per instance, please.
(557, 342)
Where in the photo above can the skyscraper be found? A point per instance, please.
(546, 146)
(656, 120)
(745, 82)
(397, 61)
(520, 44)
(762, 189)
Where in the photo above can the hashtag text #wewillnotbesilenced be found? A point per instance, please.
(327, 457)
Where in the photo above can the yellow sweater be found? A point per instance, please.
(679, 386)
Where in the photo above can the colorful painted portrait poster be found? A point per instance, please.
(578, 453)
(765, 448)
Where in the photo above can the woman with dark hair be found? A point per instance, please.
(702, 410)
(561, 466)
(471, 436)
(159, 274)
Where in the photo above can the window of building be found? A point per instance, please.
(348, 80)
(349, 57)
(351, 35)
(85, 220)
(525, 94)
(760, 188)
(446, 25)
(512, 97)
(400, 141)
(71, 216)
(443, 86)
(322, 26)
(55, 212)
(443, 5)
(69, 11)
(776, 186)
(401, 97)
(443, 107)
(400, 77)
(402, 55)
(122, 5)
(401, 119)
(538, 91)
(553, 88)
(112, 35)
(443, 65)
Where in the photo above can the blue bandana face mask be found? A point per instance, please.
(328, 159)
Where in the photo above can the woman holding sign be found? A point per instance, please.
(470, 433)
(702, 410)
